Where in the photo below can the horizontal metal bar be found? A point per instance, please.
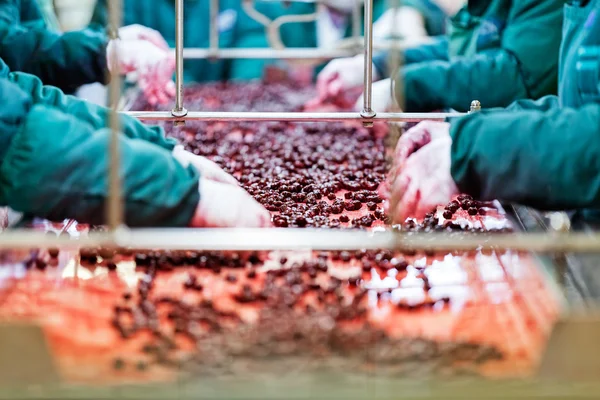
(348, 49)
(301, 239)
(287, 116)
(267, 53)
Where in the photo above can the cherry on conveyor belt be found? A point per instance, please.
(145, 316)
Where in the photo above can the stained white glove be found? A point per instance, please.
(140, 32)
(227, 206)
(381, 97)
(340, 75)
(208, 169)
(151, 66)
(422, 165)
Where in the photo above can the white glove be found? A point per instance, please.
(381, 97)
(422, 163)
(208, 169)
(140, 32)
(152, 66)
(227, 206)
(342, 74)
(406, 22)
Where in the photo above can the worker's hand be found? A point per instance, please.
(148, 64)
(340, 75)
(423, 179)
(417, 137)
(208, 169)
(228, 206)
(381, 97)
(140, 32)
(405, 22)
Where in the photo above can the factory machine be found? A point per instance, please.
(333, 301)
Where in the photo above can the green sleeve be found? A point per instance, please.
(438, 50)
(546, 103)
(12, 113)
(533, 35)
(492, 77)
(548, 160)
(525, 66)
(96, 116)
(66, 60)
(56, 168)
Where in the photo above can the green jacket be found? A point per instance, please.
(54, 160)
(496, 51)
(236, 30)
(544, 154)
(66, 60)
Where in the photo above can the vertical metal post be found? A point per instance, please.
(214, 27)
(179, 110)
(114, 206)
(356, 21)
(395, 60)
(367, 112)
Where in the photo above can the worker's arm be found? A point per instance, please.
(438, 50)
(56, 166)
(66, 60)
(548, 160)
(95, 116)
(525, 66)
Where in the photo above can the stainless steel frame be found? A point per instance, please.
(288, 116)
(271, 238)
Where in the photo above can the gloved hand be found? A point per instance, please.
(340, 75)
(227, 206)
(381, 97)
(208, 169)
(406, 23)
(147, 63)
(140, 32)
(417, 137)
(423, 180)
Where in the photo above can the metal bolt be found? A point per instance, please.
(368, 115)
(475, 106)
(179, 113)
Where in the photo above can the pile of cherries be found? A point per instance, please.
(305, 174)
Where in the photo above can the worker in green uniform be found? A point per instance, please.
(54, 165)
(237, 29)
(544, 154)
(72, 59)
(496, 51)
